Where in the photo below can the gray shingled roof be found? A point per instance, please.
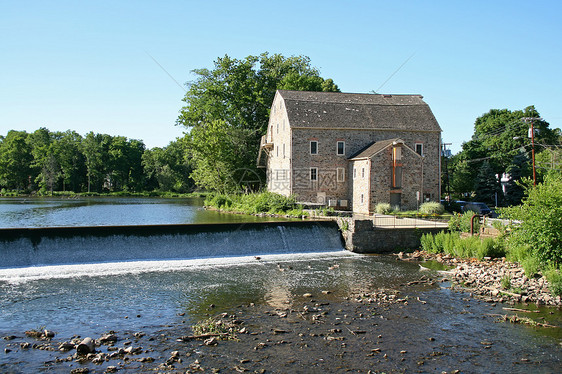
(373, 148)
(348, 110)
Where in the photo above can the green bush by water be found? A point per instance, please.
(265, 202)
(451, 243)
(554, 277)
(538, 221)
(462, 222)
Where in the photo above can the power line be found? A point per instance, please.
(166, 71)
(396, 71)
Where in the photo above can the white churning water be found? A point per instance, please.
(94, 251)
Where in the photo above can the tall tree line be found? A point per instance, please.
(48, 161)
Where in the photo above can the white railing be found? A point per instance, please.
(415, 221)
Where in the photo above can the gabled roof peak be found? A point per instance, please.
(374, 148)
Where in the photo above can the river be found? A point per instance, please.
(107, 211)
(148, 295)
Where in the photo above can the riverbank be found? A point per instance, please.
(74, 195)
(495, 280)
(418, 326)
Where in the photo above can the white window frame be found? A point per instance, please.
(354, 173)
(363, 173)
(338, 148)
(313, 174)
(340, 172)
(416, 148)
(310, 147)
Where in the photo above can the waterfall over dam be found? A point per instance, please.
(27, 247)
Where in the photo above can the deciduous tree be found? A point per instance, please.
(229, 105)
(15, 160)
(499, 136)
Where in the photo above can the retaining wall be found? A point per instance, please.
(361, 236)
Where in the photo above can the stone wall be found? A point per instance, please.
(327, 162)
(411, 183)
(361, 236)
(279, 161)
(361, 185)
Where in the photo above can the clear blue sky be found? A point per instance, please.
(85, 66)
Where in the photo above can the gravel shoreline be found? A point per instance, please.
(483, 279)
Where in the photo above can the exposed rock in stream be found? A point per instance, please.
(487, 279)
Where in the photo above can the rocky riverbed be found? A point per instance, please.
(494, 280)
(422, 325)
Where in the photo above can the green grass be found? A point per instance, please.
(223, 330)
(470, 247)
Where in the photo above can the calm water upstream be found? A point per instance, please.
(106, 211)
(90, 299)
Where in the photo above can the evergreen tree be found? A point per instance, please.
(516, 171)
(487, 186)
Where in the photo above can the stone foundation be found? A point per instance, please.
(361, 236)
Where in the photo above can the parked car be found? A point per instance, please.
(476, 207)
(452, 206)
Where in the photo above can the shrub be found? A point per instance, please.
(531, 265)
(439, 242)
(426, 242)
(506, 282)
(554, 278)
(219, 201)
(297, 212)
(540, 218)
(467, 247)
(491, 247)
(265, 202)
(451, 243)
(383, 208)
(462, 222)
(432, 208)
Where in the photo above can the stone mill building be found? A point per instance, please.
(352, 151)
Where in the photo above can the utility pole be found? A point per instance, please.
(532, 120)
(447, 170)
